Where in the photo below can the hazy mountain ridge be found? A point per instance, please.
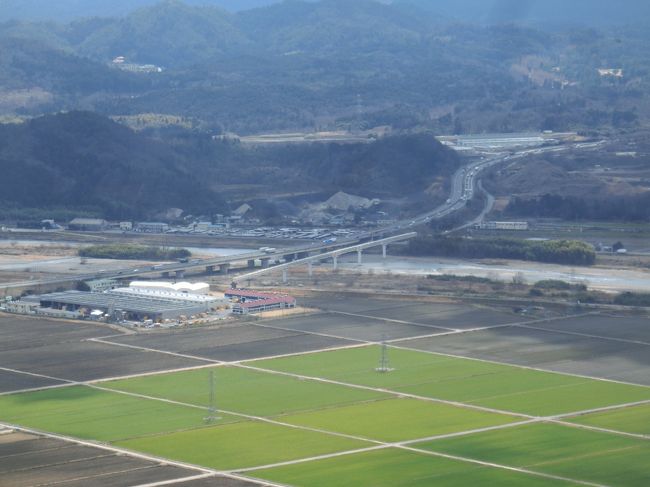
(301, 65)
(68, 10)
(80, 161)
(577, 12)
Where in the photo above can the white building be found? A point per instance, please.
(179, 287)
(207, 301)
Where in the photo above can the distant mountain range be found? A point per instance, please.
(559, 12)
(67, 10)
(578, 12)
(333, 64)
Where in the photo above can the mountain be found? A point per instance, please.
(170, 33)
(331, 25)
(578, 12)
(25, 63)
(68, 10)
(332, 64)
(589, 13)
(83, 160)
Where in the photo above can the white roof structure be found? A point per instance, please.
(179, 287)
(194, 298)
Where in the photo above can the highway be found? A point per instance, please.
(464, 183)
(463, 186)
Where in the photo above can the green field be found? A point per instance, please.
(242, 445)
(392, 467)
(398, 419)
(88, 413)
(484, 384)
(630, 420)
(559, 450)
(281, 410)
(246, 391)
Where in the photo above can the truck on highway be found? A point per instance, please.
(329, 240)
(268, 250)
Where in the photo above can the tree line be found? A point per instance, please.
(621, 208)
(133, 252)
(569, 252)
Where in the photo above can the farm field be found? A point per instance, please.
(242, 445)
(557, 450)
(490, 385)
(322, 417)
(393, 467)
(634, 420)
(245, 391)
(87, 413)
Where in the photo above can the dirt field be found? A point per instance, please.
(232, 342)
(29, 460)
(61, 349)
(433, 314)
(566, 350)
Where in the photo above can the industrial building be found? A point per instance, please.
(248, 301)
(121, 306)
(88, 224)
(152, 227)
(101, 285)
(210, 302)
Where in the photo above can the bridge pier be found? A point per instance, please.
(336, 262)
(180, 274)
(310, 269)
(265, 263)
(284, 275)
(209, 269)
(251, 263)
(166, 275)
(224, 268)
(359, 253)
(383, 250)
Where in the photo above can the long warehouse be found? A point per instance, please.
(121, 306)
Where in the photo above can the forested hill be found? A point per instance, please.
(83, 161)
(329, 65)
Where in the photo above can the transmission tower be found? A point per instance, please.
(384, 363)
(212, 416)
